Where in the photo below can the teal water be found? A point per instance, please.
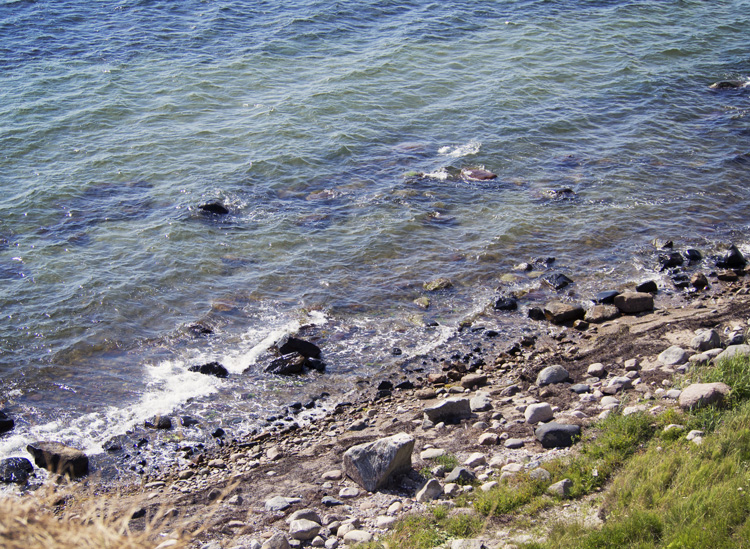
(313, 122)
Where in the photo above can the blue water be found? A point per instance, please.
(335, 133)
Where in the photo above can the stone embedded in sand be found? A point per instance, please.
(698, 281)
(373, 464)
(699, 395)
(280, 503)
(59, 458)
(277, 541)
(597, 369)
(558, 312)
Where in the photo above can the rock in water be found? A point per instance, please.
(211, 369)
(159, 422)
(286, 365)
(15, 469)
(6, 423)
(215, 208)
(729, 85)
(478, 174)
(289, 344)
(59, 458)
(437, 284)
(733, 259)
(558, 281)
(373, 464)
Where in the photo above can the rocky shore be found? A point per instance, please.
(470, 414)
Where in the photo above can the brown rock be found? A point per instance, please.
(473, 380)
(59, 458)
(601, 313)
(699, 281)
(631, 303)
(558, 312)
(698, 395)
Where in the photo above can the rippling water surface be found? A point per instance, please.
(335, 133)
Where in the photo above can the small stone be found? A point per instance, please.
(597, 370)
(488, 439)
(384, 522)
(706, 340)
(159, 422)
(537, 413)
(303, 529)
(555, 435)
(450, 410)
(432, 453)
(487, 486)
(430, 491)
(395, 508)
(648, 286)
(561, 489)
(333, 474)
(580, 388)
(437, 284)
(460, 475)
(699, 281)
(514, 443)
(732, 351)
(348, 492)
(476, 459)
(280, 503)
(329, 501)
(59, 458)
(601, 313)
(15, 470)
(358, 536)
(277, 541)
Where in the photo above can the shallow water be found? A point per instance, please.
(312, 123)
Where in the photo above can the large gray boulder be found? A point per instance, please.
(373, 464)
(698, 395)
(59, 458)
(451, 410)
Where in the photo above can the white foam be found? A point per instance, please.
(440, 174)
(472, 147)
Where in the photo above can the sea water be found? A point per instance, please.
(335, 133)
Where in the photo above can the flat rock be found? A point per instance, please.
(475, 460)
(514, 443)
(289, 344)
(556, 435)
(373, 464)
(59, 458)
(558, 312)
(432, 453)
(634, 302)
(437, 284)
(473, 380)
(698, 395)
(601, 313)
(537, 413)
(451, 410)
(307, 514)
(210, 369)
(552, 374)
(358, 536)
(280, 503)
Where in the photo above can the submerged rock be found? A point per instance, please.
(159, 422)
(558, 281)
(59, 458)
(215, 208)
(730, 85)
(437, 284)
(6, 423)
(478, 174)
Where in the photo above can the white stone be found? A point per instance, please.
(536, 413)
(476, 459)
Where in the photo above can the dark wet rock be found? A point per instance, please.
(59, 458)
(396, 351)
(329, 501)
(693, 255)
(219, 433)
(15, 470)
(460, 475)
(649, 287)
(451, 410)
(680, 280)
(286, 365)
(505, 304)
(559, 194)
(536, 313)
(199, 330)
(6, 423)
(437, 284)
(210, 369)
(732, 259)
(669, 260)
(558, 281)
(556, 435)
(316, 364)
(290, 344)
(601, 313)
(558, 312)
(116, 444)
(730, 85)
(478, 174)
(385, 386)
(188, 421)
(699, 281)
(727, 276)
(372, 465)
(634, 302)
(606, 297)
(662, 243)
(405, 385)
(214, 208)
(159, 422)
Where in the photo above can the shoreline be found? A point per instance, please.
(305, 463)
